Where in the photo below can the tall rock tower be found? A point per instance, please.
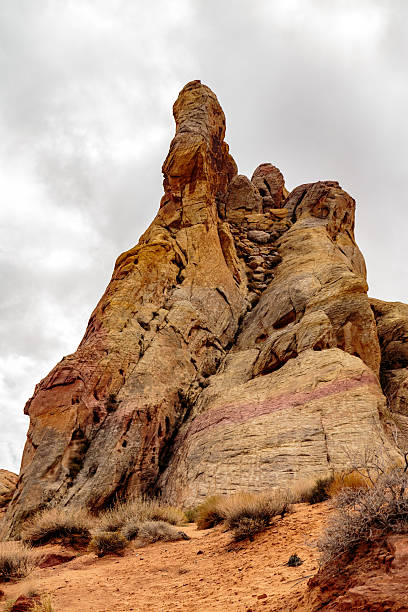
(234, 347)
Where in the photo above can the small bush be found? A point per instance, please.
(139, 510)
(247, 526)
(153, 531)
(45, 605)
(319, 492)
(16, 560)
(191, 514)
(210, 512)
(347, 480)
(72, 526)
(131, 529)
(154, 510)
(366, 514)
(115, 518)
(108, 542)
(249, 513)
(294, 561)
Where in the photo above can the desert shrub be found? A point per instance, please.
(16, 560)
(44, 605)
(131, 529)
(319, 492)
(294, 560)
(71, 525)
(210, 512)
(115, 518)
(247, 526)
(153, 531)
(191, 514)
(347, 480)
(107, 542)
(136, 511)
(154, 510)
(249, 513)
(366, 514)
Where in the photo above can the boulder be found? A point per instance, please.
(270, 184)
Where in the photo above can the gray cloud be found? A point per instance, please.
(317, 88)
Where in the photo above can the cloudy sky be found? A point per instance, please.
(317, 87)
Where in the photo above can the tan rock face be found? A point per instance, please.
(255, 433)
(234, 346)
(392, 325)
(8, 482)
(270, 184)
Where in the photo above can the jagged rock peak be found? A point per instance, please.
(269, 181)
(198, 164)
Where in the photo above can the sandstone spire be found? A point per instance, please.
(234, 347)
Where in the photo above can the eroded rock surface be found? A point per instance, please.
(8, 481)
(392, 325)
(371, 578)
(234, 347)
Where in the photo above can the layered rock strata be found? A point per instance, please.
(234, 347)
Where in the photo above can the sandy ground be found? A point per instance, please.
(207, 572)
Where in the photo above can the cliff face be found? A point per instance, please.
(235, 346)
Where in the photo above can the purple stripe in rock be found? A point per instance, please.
(239, 413)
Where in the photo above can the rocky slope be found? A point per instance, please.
(234, 347)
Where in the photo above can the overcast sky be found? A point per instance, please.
(317, 87)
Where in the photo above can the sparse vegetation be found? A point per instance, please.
(210, 512)
(16, 560)
(347, 480)
(131, 529)
(367, 514)
(136, 511)
(249, 513)
(319, 492)
(153, 531)
(45, 605)
(72, 526)
(191, 514)
(108, 542)
(294, 560)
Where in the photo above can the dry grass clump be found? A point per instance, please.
(210, 512)
(155, 511)
(108, 542)
(45, 605)
(347, 480)
(153, 531)
(16, 560)
(71, 525)
(366, 514)
(249, 513)
(318, 492)
(137, 511)
(191, 514)
(131, 529)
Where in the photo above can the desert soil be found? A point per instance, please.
(208, 572)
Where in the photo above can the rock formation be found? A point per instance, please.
(8, 481)
(234, 348)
